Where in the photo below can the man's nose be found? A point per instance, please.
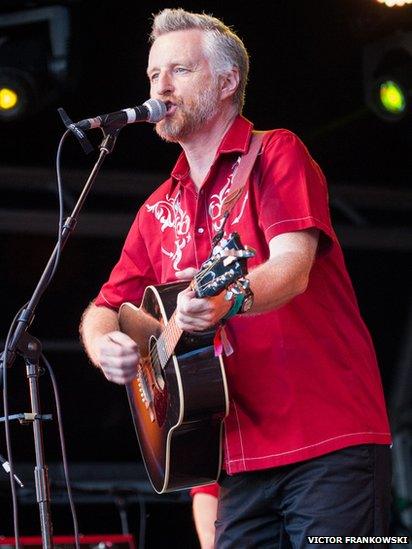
(165, 84)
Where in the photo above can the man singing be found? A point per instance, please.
(306, 441)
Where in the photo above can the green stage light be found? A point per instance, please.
(387, 72)
(392, 97)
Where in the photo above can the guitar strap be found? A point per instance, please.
(242, 173)
(240, 177)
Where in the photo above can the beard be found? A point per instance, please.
(189, 117)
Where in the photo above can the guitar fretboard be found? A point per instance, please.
(168, 340)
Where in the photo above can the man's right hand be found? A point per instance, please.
(118, 357)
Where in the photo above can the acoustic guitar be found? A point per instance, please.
(179, 397)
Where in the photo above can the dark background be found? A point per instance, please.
(306, 75)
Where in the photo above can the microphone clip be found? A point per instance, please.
(77, 132)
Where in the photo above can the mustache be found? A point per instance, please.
(178, 101)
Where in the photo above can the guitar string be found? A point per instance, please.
(164, 347)
(162, 350)
(172, 330)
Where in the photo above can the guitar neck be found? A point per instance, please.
(168, 340)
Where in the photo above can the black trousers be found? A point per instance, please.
(344, 493)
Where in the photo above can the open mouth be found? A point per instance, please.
(171, 108)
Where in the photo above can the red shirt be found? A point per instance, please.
(303, 379)
(211, 489)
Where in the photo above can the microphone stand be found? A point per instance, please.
(24, 344)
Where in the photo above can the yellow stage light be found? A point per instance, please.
(8, 99)
(34, 44)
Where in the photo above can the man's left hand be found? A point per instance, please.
(196, 314)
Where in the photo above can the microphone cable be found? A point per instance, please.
(7, 430)
(5, 357)
(63, 450)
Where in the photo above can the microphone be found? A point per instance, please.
(152, 111)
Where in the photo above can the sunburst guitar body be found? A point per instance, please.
(179, 397)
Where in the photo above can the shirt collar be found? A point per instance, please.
(235, 140)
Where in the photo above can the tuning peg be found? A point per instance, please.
(238, 253)
(250, 250)
(237, 290)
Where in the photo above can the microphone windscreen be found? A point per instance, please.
(157, 110)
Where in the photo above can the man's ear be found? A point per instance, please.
(229, 83)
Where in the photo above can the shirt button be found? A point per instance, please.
(201, 230)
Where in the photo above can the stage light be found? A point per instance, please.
(392, 97)
(8, 99)
(395, 3)
(18, 94)
(33, 60)
(387, 69)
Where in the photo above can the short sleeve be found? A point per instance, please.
(131, 274)
(211, 489)
(292, 189)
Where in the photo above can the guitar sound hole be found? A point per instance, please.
(156, 365)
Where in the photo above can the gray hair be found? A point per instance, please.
(223, 47)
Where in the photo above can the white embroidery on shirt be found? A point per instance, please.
(216, 200)
(242, 209)
(170, 215)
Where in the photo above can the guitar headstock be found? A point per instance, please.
(226, 265)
